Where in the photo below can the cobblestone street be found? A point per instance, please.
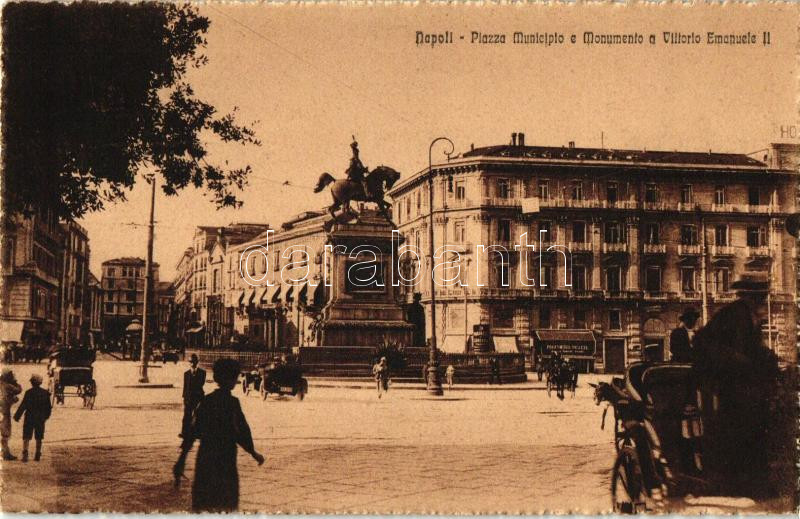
(340, 450)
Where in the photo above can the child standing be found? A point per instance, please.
(36, 408)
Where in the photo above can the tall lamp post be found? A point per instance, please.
(148, 288)
(434, 384)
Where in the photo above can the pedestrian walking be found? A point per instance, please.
(737, 376)
(9, 389)
(36, 408)
(220, 425)
(194, 379)
(494, 365)
(680, 339)
(449, 373)
(381, 373)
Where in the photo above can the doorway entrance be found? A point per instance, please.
(614, 355)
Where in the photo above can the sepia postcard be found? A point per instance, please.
(513, 258)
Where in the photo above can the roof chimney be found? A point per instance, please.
(521, 140)
(514, 139)
(571, 144)
(472, 147)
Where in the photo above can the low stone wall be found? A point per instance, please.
(353, 361)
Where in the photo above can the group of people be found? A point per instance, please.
(734, 386)
(35, 407)
(16, 352)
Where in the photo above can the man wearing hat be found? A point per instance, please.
(680, 340)
(36, 408)
(194, 379)
(736, 375)
(9, 389)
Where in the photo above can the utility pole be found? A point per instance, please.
(148, 287)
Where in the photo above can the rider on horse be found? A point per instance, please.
(356, 172)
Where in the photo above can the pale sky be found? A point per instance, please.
(312, 76)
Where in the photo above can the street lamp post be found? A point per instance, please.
(434, 384)
(148, 289)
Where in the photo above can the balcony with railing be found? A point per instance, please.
(655, 248)
(724, 296)
(619, 204)
(761, 209)
(722, 208)
(655, 206)
(500, 202)
(722, 250)
(688, 250)
(687, 206)
(615, 247)
(626, 295)
(758, 252)
(690, 295)
(580, 246)
(659, 295)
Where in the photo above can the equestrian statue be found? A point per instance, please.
(361, 185)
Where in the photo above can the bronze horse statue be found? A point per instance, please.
(377, 182)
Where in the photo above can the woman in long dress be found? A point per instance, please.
(220, 426)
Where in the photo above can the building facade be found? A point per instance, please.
(75, 302)
(623, 241)
(122, 283)
(32, 265)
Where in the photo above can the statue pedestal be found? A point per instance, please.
(362, 309)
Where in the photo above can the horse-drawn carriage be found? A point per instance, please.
(656, 435)
(72, 368)
(561, 374)
(280, 377)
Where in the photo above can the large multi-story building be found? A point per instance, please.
(198, 307)
(122, 282)
(95, 311)
(639, 235)
(32, 262)
(75, 302)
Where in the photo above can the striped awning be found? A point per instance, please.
(276, 295)
(288, 295)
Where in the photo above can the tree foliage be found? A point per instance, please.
(94, 94)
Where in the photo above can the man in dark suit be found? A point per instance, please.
(193, 380)
(680, 340)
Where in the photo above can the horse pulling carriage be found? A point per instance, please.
(72, 368)
(656, 436)
(561, 374)
(281, 378)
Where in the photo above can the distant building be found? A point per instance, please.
(32, 263)
(75, 302)
(647, 233)
(165, 306)
(95, 307)
(197, 301)
(122, 282)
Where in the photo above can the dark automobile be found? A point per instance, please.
(278, 378)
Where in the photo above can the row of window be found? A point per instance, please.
(615, 232)
(575, 191)
(124, 272)
(120, 309)
(613, 276)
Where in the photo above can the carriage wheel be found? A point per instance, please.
(89, 394)
(619, 436)
(627, 483)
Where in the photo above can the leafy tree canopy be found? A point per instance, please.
(95, 93)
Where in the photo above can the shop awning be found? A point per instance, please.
(452, 344)
(276, 295)
(195, 329)
(570, 343)
(302, 293)
(266, 295)
(319, 295)
(11, 331)
(288, 296)
(241, 298)
(505, 344)
(248, 298)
